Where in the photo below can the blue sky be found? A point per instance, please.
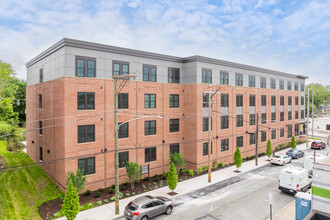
(290, 36)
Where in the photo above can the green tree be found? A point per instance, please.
(172, 177)
(19, 104)
(78, 180)
(269, 149)
(321, 95)
(293, 143)
(71, 205)
(133, 171)
(178, 161)
(238, 158)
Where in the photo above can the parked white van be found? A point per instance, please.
(309, 160)
(294, 179)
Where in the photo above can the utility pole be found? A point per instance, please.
(124, 79)
(257, 136)
(312, 112)
(210, 140)
(307, 116)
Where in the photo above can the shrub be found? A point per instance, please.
(113, 186)
(184, 170)
(293, 143)
(178, 161)
(123, 187)
(146, 179)
(100, 190)
(90, 205)
(125, 183)
(99, 202)
(78, 179)
(190, 172)
(238, 158)
(200, 171)
(133, 193)
(214, 165)
(106, 201)
(172, 179)
(164, 176)
(112, 198)
(71, 204)
(57, 214)
(133, 171)
(204, 168)
(127, 194)
(221, 165)
(111, 190)
(97, 194)
(121, 195)
(156, 178)
(88, 192)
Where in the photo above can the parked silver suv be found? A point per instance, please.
(146, 207)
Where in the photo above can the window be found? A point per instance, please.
(206, 124)
(120, 68)
(273, 100)
(87, 165)
(205, 100)
(302, 114)
(295, 86)
(281, 84)
(239, 141)
(282, 116)
(123, 159)
(327, 127)
(85, 67)
(173, 75)
(263, 118)
(122, 100)
(174, 125)
(302, 100)
(223, 78)
(239, 79)
(289, 85)
(174, 148)
(40, 127)
(224, 145)
(239, 100)
(86, 100)
(272, 83)
(150, 127)
(123, 130)
(289, 100)
(86, 133)
(263, 136)
(296, 129)
(224, 122)
(41, 75)
(40, 101)
(149, 100)
(296, 115)
(262, 82)
(206, 76)
(263, 100)
(252, 119)
(282, 100)
(149, 73)
(273, 116)
(252, 138)
(224, 100)
(150, 154)
(282, 132)
(302, 87)
(289, 131)
(273, 134)
(41, 155)
(239, 120)
(206, 148)
(252, 100)
(252, 81)
(174, 101)
(296, 100)
(289, 115)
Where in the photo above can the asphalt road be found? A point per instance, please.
(242, 197)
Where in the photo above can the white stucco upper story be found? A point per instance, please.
(60, 60)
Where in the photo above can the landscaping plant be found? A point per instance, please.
(269, 150)
(172, 178)
(238, 158)
(178, 161)
(71, 206)
(133, 172)
(78, 180)
(293, 143)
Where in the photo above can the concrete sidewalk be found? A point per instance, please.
(106, 212)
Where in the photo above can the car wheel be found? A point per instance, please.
(144, 218)
(169, 210)
(282, 163)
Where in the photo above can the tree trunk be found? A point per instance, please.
(132, 184)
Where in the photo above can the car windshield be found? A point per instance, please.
(291, 150)
(277, 156)
(131, 206)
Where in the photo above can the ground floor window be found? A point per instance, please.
(174, 148)
(123, 159)
(150, 154)
(87, 165)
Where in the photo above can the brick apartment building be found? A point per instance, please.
(70, 109)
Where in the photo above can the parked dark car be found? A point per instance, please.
(318, 145)
(295, 153)
(146, 207)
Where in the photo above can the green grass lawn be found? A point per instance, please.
(23, 191)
